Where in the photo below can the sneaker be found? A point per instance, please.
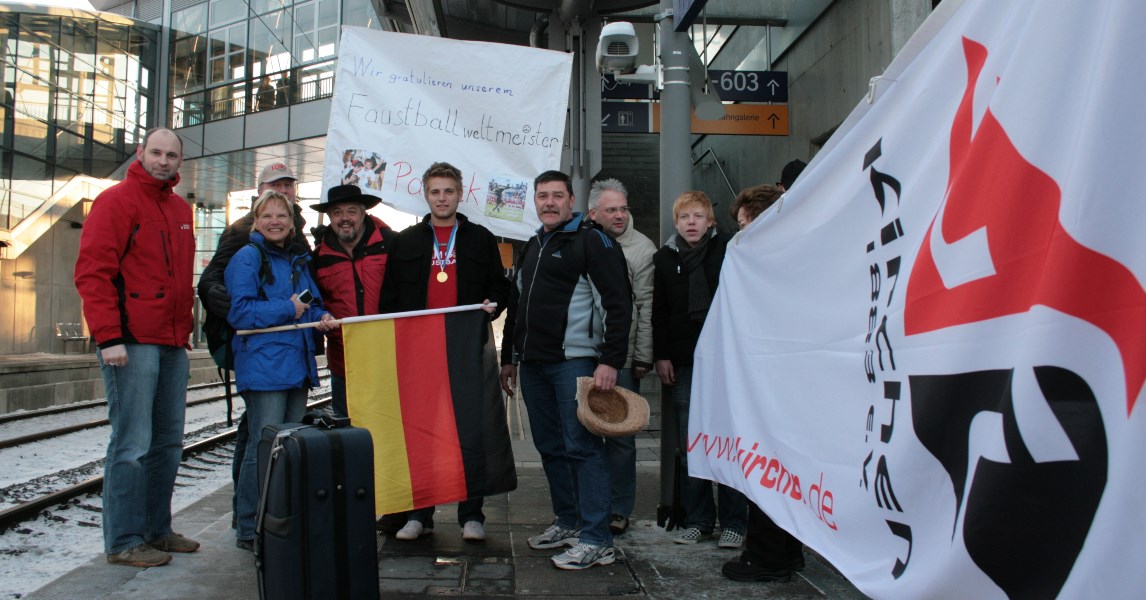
(248, 545)
(175, 542)
(473, 531)
(412, 531)
(691, 535)
(142, 555)
(555, 537)
(618, 524)
(583, 556)
(731, 539)
(746, 570)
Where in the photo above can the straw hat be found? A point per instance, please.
(615, 413)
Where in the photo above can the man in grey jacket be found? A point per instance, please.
(609, 207)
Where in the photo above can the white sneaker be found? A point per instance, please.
(583, 556)
(412, 530)
(473, 531)
(555, 536)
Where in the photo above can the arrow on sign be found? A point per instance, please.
(773, 84)
(772, 117)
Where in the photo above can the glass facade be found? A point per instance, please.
(233, 58)
(77, 97)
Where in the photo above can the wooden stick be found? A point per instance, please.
(365, 318)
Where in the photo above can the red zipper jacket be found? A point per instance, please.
(134, 270)
(351, 285)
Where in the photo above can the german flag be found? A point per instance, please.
(427, 389)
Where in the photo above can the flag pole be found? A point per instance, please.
(365, 318)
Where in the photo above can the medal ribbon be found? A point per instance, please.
(449, 246)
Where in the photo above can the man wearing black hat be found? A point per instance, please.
(350, 262)
(445, 261)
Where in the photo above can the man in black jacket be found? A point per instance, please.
(212, 290)
(444, 261)
(571, 320)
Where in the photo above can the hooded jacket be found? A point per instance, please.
(134, 268)
(281, 360)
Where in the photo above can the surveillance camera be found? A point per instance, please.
(617, 48)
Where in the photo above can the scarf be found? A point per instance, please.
(692, 265)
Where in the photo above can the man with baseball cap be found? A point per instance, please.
(350, 262)
(275, 176)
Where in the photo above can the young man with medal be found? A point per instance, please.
(444, 261)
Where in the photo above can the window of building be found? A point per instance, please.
(226, 11)
(315, 30)
(190, 21)
(240, 62)
(227, 54)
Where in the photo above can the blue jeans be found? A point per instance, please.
(338, 396)
(263, 408)
(622, 453)
(696, 494)
(146, 400)
(573, 458)
(241, 437)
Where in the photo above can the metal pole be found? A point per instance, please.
(676, 120)
(676, 178)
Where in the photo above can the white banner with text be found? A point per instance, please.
(403, 102)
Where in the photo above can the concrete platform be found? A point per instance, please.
(648, 563)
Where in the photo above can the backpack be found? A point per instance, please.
(219, 332)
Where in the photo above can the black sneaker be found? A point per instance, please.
(390, 524)
(248, 545)
(618, 524)
(745, 570)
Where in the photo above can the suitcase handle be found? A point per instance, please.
(324, 420)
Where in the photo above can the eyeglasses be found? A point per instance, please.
(612, 210)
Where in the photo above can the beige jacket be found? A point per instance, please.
(639, 251)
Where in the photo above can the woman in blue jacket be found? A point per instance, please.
(272, 370)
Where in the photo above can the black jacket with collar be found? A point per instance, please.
(674, 333)
(479, 271)
(572, 298)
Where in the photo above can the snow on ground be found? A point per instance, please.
(59, 541)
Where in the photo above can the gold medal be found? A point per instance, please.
(442, 277)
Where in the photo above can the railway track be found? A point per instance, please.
(11, 517)
(76, 406)
(56, 410)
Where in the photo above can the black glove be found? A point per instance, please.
(218, 301)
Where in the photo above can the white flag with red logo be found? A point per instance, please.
(927, 362)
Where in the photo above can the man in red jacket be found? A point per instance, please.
(134, 275)
(349, 262)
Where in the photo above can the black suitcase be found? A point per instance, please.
(315, 535)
